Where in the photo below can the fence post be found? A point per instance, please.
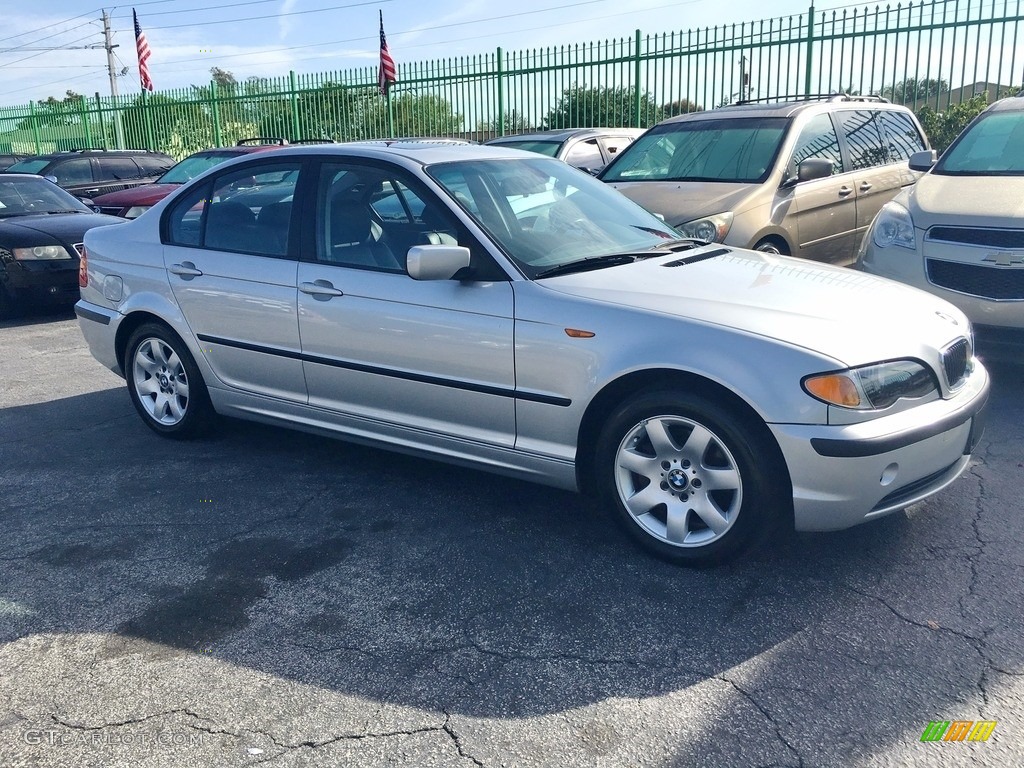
(216, 113)
(148, 117)
(99, 114)
(809, 69)
(295, 106)
(85, 121)
(501, 94)
(636, 83)
(391, 113)
(35, 126)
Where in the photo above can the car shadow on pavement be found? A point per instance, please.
(413, 584)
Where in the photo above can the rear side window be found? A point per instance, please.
(904, 139)
(246, 211)
(818, 139)
(864, 138)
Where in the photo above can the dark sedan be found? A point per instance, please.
(41, 232)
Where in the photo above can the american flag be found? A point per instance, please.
(142, 48)
(387, 73)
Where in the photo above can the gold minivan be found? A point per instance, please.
(803, 178)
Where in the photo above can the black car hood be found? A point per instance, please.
(68, 228)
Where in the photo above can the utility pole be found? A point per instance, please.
(112, 72)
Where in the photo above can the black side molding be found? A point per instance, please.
(88, 314)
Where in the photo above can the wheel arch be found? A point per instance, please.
(619, 390)
(129, 325)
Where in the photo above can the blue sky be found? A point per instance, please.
(188, 37)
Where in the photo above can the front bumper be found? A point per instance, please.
(43, 282)
(848, 474)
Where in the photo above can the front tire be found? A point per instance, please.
(689, 481)
(164, 383)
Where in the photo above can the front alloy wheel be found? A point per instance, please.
(690, 480)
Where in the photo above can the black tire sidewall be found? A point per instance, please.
(761, 489)
(198, 411)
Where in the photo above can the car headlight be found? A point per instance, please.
(872, 387)
(135, 211)
(893, 226)
(41, 253)
(711, 229)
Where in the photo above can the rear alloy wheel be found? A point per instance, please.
(689, 481)
(164, 383)
(771, 246)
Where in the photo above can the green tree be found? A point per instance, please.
(942, 127)
(177, 126)
(514, 122)
(414, 115)
(912, 90)
(680, 107)
(53, 111)
(614, 107)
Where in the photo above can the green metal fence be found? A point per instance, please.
(936, 53)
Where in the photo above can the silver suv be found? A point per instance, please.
(802, 178)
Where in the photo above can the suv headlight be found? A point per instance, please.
(872, 387)
(893, 226)
(712, 229)
(41, 253)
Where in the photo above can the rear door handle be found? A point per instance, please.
(321, 290)
(865, 186)
(845, 190)
(186, 270)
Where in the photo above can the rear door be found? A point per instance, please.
(877, 178)
(232, 268)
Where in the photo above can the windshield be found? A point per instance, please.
(740, 150)
(28, 166)
(549, 148)
(192, 166)
(34, 195)
(544, 213)
(992, 146)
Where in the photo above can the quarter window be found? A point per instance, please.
(818, 139)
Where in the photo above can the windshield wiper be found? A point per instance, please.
(592, 262)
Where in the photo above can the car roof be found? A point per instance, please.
(65, 153)
(563, 134)
(1009, 104)
(784, 109)
(418, 152)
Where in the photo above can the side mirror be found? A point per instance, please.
(814, 168)
(923, 161)
(436, 262)
(51, 179)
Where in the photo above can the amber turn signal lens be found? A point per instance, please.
(835, 388)
(576, 333)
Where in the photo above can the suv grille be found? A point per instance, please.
(993, 238)
(955, 359)
(999, 283)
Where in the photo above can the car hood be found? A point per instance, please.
(989, 201)
(849, 316)
(147, 194)
(682, 201)
(69, 228)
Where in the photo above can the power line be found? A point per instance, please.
(272, 16)
(50, 26)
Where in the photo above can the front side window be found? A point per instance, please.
(818, 139)
(903, 136)
(585, 154)
(245, 211)
(544, 214)
(70, 172)
(993, 145)
(864, 139)
(739, 150)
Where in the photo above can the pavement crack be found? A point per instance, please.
(923, 625)
(448, 728)
(767, 716)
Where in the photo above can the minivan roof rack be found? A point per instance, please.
(262, 140)
(81, 150)
(811, 97)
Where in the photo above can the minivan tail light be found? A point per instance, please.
(83, 266)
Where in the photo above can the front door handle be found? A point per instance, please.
(865, 186)
(845, 190)
(321, 290)
(186, 270)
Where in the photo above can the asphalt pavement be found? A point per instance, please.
(265, 597)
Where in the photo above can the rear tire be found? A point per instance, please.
(689, 481)
(769, 245)
(164, 383)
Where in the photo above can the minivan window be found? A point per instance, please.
(904, 138)
(991, 146)
(864, 139)
(740, 150)
(818, 139)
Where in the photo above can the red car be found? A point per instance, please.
(132, 203)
